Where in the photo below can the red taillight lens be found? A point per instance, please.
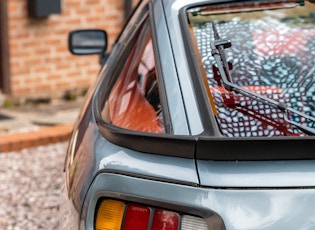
(137, 217)
(165, 220)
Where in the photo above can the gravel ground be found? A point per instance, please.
(30, 182)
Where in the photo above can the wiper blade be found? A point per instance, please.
(218, 47)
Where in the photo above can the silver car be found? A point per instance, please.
(202, 117)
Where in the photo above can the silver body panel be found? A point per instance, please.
(272, 209)
(113, 158)
(257, 174)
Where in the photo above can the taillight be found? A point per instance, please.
(165, 220)
(116, 215)
(193, 222)
(110, 215)
(136, 217)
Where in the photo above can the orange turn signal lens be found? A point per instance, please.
(110, 215)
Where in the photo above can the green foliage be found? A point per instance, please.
(70, 96)
(9, 104)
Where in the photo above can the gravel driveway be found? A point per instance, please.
(30, 182)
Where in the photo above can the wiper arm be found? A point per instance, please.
(218, 52)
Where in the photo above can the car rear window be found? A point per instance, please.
(272, 54)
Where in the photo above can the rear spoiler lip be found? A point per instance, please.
(203, 147)
(256, 148)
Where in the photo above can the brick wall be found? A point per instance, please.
(40, 64)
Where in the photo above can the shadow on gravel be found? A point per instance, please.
(4, 117)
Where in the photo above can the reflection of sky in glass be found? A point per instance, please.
(276, 52)
(89, 38)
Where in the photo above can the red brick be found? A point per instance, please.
(39, 47)
(15, 142)
(21, 91)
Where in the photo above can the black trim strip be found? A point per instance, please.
(270, 148)
(210, 148)
(168, 145)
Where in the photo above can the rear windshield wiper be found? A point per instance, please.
(218, 47)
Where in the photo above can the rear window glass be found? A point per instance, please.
(272, 53)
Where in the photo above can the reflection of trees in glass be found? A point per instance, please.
(302, 20)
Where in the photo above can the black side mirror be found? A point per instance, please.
(85, 42)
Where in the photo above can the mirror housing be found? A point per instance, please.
(88, 41)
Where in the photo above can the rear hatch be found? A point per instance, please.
(257, 174)
(262, 194)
